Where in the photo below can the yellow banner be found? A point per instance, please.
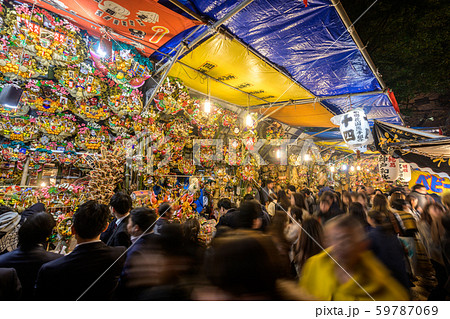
(230, 62)
(433, 183)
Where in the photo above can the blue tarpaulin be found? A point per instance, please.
(310, 43)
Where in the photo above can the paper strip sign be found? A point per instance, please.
(404, 172)
(389, 168)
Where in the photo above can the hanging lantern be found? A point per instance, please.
(404, 171)
(389, 167)
(355, 129)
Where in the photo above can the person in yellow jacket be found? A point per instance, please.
(347, 270)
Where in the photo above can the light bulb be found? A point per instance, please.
(100, 52)
(307, 157)
(278, 153)
(332, 169)
(207, 106)
(249, 120)
(43, 184)
(358, 168)
(344, 167)
(352, 168)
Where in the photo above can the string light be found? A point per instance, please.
(352, 168)
(307, 157)
(249, 120)
(344, 167)
(358, 168)
(43, 184)
(278, 153)
(332, 169)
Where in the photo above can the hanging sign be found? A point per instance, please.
(355, 129)
(433, 183)
(389, 167)
(404, 172)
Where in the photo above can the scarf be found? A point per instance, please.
(8, 221)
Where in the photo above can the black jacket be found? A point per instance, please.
(27, 264)
(118, 236)
(10, 288)
(67, 278)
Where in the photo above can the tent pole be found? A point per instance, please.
(319, 99)
(186, 47)
(361, 47)
(187, 10)
(274, 111)
(163, 77)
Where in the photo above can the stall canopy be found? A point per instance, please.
(298, 64)
(424, 150)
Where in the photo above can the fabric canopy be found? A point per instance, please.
(424, 149)
(308, 44)
(274, 50)
(144, 24)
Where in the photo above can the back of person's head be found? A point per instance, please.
(5, 209)
(143, 217)
(121, 203)
(446, 201)
(357, 210)
(380, 203)
(171, 239)
(224, 203)
(292, 188)
(36, 229)
(278, 225)
(297, 213)
(418, 188)
(398, 204)
(299, 200)
(311, 239)
(191, 229)
(90, 219)
(164, 209)
(378, 217)
(249, 211)
(446, 224)
(243, 264)
(248, 197)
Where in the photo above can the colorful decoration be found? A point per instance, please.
(58, 126)
(91, 136)
(22, 128)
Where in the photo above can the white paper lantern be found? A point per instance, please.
(355, 128)
(389, 167)
(404, 172)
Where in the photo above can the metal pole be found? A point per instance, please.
(23, 182)
(362, 48)
(274, 111)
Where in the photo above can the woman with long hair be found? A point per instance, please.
(283, 200)
(346, 201)
(310, 242)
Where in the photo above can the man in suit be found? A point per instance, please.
(140, 226)
(117, 234)
(91, 271)
(10, 288)
(31, 255)
(266, 191)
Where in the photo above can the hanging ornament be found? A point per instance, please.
(355, 129)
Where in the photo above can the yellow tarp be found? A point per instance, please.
(230, 62)
(306, 115)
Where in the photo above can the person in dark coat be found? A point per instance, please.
(91, 271)
(117, 234)
(28, 258)
(10, 287)
(386, 246)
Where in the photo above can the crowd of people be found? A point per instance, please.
(274, 244)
